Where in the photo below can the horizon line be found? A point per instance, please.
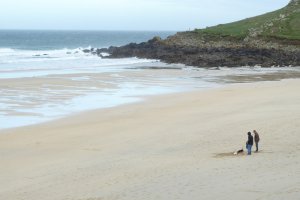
(104, 30)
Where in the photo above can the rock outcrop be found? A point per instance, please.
(213, 56)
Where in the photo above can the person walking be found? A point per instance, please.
(249, 143)
(256, 139)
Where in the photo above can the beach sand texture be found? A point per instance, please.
(176, 146)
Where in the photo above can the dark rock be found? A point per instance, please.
(86, 50)
(213, 56)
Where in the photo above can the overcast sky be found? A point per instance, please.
(128, 14)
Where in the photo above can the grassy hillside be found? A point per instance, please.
(281, 24)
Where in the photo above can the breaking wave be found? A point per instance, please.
(15, 63)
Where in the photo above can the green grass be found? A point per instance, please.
(289, 28)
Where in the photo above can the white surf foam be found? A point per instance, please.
(29, 63)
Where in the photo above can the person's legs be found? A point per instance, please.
(249, 149)
(256, 144)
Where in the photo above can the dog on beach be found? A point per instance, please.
(238, 151)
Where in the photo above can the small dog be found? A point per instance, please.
(238, 151)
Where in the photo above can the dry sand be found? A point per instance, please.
(169, 147)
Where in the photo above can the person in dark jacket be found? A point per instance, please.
(256, 139)
(249, 143)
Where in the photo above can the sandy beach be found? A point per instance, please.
(175, 146)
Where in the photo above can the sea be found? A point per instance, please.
(45, 75)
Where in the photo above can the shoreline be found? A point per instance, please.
(167, 147)
(68, 95)
(137, 100)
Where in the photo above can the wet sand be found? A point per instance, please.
(32, 100)
(176, 146)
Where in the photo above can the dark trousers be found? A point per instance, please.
(256, 144)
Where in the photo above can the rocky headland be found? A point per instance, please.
(272, 39)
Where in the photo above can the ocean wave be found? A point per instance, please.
(64, 51)
(17, 63)
(11, 56)
(11, 59)
(37, 66)
(6, 50)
